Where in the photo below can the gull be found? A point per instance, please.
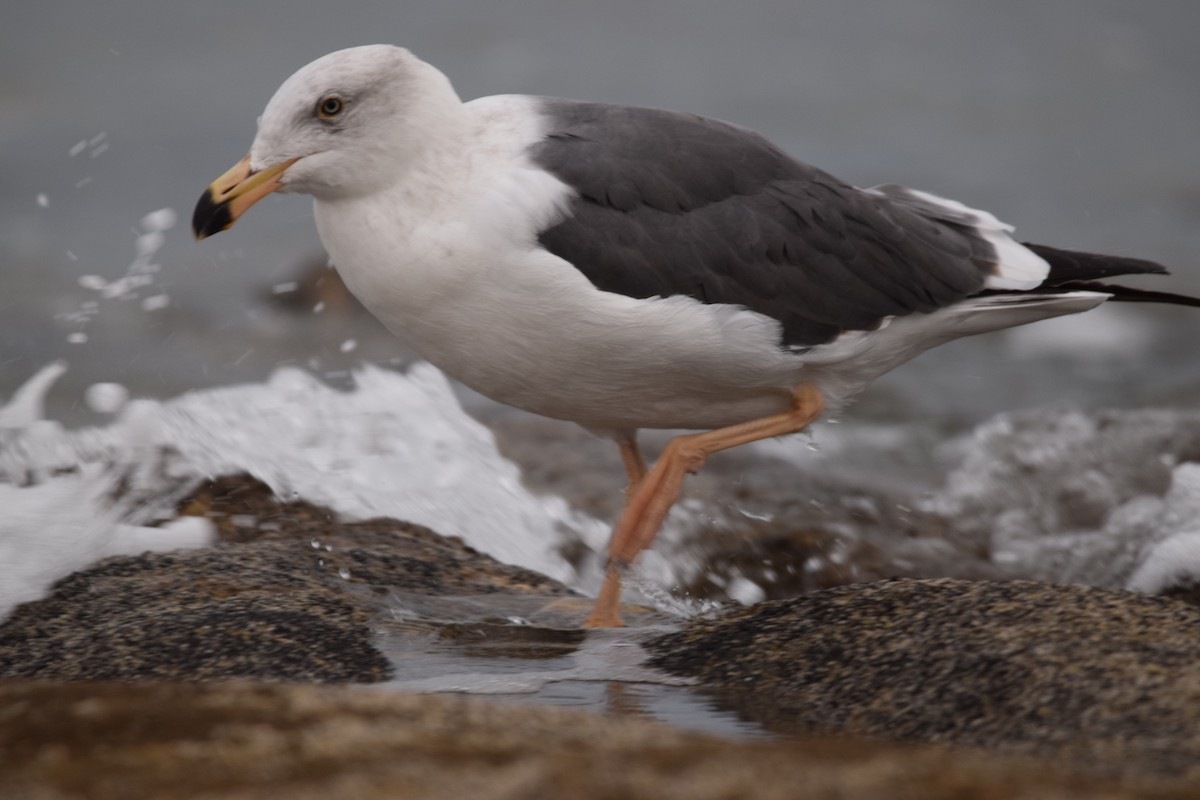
(626, 268)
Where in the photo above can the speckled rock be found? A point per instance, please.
(288, 594)
(253, 741)
(1105, 681)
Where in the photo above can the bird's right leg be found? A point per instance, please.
(635, 465)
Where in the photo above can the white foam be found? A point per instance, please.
(398, 446)
(27, 403)
(1081, 498)
(1170, 563)
(51, 529)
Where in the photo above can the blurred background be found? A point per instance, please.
(1076, 120)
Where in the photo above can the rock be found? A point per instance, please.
(1027, 690)
(1104, 681)
(287, 595)
(269, 741)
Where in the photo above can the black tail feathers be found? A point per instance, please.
(1073, 270)
(1072, 265)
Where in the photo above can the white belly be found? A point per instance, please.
(543, 339)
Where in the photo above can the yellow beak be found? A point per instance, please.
(228, 197)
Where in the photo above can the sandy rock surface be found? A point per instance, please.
(255, 741)
(1103, 681)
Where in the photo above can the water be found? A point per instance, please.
(515, 649)
(1073, 120)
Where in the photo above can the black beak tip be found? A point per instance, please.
(210, 217)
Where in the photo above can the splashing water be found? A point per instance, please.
(138, 275)
(1107, 499)
(303, 439)
(60, 510)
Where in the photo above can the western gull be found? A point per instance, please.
(627, 268)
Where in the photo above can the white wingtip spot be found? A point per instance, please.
(1018, 268)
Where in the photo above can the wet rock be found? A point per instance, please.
(288, 594)
(268, 741)
(1103, 681)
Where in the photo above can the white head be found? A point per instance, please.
(349, 123)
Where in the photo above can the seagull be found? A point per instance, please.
(626, 268)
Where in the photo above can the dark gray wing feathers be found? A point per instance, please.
(678, 204)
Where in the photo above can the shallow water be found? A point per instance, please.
(503, 647)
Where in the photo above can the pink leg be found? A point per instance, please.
(610, 591)
(657, 491)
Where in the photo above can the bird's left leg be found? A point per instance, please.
(635, 472)
(645, 512)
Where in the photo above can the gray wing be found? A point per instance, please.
(671, 203)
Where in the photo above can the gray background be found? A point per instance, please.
(1076, 120)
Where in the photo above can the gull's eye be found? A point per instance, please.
(330, 107)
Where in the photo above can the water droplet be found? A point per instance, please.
(148, 243)
(344, 574)
(106, 398)
(156, 302)
(315, 544)
(161, 220)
